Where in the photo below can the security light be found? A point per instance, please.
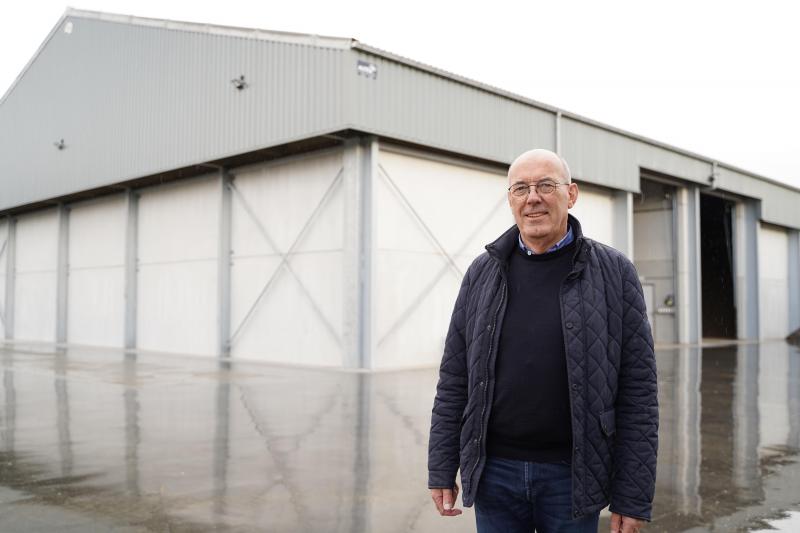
(239, 83)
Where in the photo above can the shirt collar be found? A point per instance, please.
(567, 239)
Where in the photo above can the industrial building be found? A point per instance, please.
(226, 192)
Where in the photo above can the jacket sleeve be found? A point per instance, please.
(636, 440)
(451, 398)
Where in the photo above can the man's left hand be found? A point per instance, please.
(625, 524)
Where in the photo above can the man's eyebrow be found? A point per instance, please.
(546, 178)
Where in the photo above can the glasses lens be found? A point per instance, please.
(520, 190)
(545, 188)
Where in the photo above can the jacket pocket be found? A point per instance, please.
(608, 422)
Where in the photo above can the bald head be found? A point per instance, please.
(540, 155)
(541, 213)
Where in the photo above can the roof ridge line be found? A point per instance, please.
(218, 29)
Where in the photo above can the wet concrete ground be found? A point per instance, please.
(95, 440)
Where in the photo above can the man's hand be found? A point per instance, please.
(624, 524)
(445, 500)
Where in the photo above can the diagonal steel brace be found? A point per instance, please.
(285, 259)
(435, 280)
(421, 222)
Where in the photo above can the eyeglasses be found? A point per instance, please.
(543, 187)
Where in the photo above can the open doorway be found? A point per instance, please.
(654, 255)
(716, 258)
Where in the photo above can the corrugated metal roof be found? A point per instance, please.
(133, 96)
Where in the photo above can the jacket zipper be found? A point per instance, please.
(571, 276)
(486, 376)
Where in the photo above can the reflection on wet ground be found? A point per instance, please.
(95, 440)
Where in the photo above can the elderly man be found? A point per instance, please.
(547, 395)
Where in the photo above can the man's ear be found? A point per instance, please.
(573, 194)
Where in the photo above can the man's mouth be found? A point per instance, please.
(536, 215)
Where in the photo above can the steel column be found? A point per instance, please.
(131, 267)
(368, 173)
(360, 170)
(62, 274)
(689, 283)
(745, 286)
(224, 265)
(623, 222)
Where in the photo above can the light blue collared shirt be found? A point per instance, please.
(568, 238)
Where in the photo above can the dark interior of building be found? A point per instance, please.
(716, 245)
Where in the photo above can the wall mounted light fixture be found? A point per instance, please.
(239, 83)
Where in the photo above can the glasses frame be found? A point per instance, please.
(537, 186)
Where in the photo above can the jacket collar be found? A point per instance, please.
(500, 250)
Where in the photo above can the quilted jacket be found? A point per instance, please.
(611, 374)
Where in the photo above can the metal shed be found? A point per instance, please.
(193, 188)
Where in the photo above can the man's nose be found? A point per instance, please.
(533, 196)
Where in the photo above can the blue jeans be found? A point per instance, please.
(519, 496)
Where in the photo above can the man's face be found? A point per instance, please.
(541, 219)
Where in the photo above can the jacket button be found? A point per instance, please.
(575, 386)
(489, 327)
(569, 325)
(480, 384)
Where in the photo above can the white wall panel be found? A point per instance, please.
(177, 285)
(595, 211)
(284, 196)
(453, 201)
(773, 268)
(35, 291)
(412, 316)
(3, 269)
(300, 317)
(464, 208)
(96, 294)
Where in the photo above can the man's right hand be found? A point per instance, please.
(445, 500)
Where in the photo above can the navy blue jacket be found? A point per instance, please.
(611, 373)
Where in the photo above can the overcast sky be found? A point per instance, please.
(718, 78)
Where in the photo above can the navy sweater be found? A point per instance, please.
(530, 418)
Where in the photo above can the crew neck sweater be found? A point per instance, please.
(531, 418)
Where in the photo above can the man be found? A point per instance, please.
(547, 395)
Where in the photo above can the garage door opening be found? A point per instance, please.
(716, 257)
(654, 255)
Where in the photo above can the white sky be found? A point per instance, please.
(718, 78)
